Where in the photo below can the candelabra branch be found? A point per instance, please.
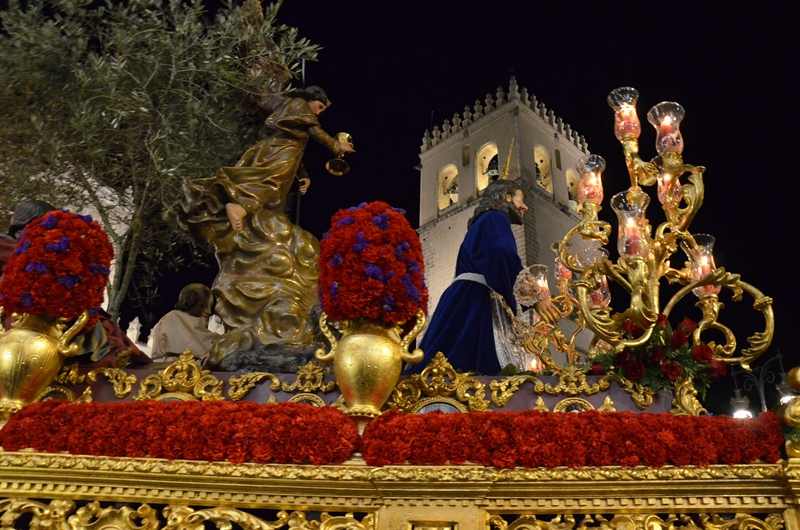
(710, 306)
(641, 172)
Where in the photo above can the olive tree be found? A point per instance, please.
(108, 108)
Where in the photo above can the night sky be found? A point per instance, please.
(393, 68)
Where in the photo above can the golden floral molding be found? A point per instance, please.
(58, 514)
(740, 521)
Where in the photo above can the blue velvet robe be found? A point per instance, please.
(461, 326)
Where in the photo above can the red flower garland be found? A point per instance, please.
(533, 439)
(213, 431)
(59, 267)
(371, 265)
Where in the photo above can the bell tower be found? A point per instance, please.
(511, 131)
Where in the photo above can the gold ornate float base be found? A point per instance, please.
(66, 492)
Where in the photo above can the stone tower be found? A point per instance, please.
(459, 158)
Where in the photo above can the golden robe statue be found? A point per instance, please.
(268, 271)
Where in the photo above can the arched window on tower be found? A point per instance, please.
(487, 165)
(572, 188)
(448, 186)
(544, 172)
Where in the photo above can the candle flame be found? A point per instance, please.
(631, 223)
(667, 121)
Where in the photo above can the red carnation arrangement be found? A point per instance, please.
(59, 267)
(666, 356)
(371, 266)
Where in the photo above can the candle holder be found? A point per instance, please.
(630, 207)
(699, 248)
(666, 117)
(590, 188)
(600, 297)
(626, 123)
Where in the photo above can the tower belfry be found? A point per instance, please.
(509, 133)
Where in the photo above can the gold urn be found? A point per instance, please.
(368, 359)
(31, 354)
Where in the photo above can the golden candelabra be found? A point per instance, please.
(644, 254)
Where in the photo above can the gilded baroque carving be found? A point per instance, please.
(504, 389)
(121, 381)
(56, 516)
(439, 380)
(572, 381)
(641, 396)
(92, 517)
(685, 401)
(240, 386)
(183, 380)
(310, 378)
(641, 522)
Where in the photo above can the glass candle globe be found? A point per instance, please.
(626, 122)
(590, 188)
(631, 207)
(702, 260)
(666, 118)
(600, 297)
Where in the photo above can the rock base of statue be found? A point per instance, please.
(273, 358)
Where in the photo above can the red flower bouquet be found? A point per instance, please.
(665, 357)
(60, 267)
(371, 266)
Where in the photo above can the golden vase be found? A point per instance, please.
(31, 354)
(368, 359)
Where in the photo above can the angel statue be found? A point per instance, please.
(266, 284)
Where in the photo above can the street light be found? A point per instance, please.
(758, 379)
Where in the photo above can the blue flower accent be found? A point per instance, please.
(346, 221)
(399, 249)
(85, 218)
(388, 276)
(336, 260)
(334, 289)
(411, 291)
(69, 280)
(388, 304)
(96, 311)
(319, 292)
(59, 248)
(373, 271)
(381, 221)
(51, 222)
(360, 243)
(325, 235)
(400, 210)
(26, 299)
(23, 248)
(354, 208)
(99, 269)
(413, 266)
(36, 267)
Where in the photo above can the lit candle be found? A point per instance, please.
(632, 237)
(545, 288)
(666, 125)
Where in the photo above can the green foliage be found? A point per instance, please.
(109, 109)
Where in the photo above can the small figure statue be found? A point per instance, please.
(186, 326)
(266, 285)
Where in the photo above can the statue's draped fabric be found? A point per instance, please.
(268, 273)
(461, 326)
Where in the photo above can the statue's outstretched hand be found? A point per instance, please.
(547, 310)
(304, 184)
(236, 214)
(344, 148)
